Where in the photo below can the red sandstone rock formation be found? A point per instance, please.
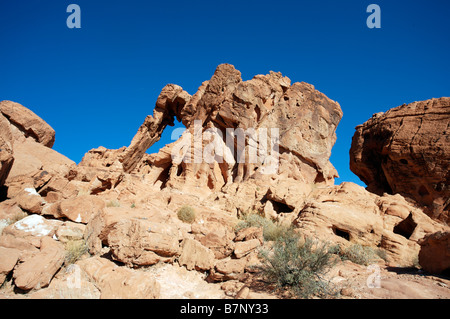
(407, 151)
(122, 204)
(306, 120)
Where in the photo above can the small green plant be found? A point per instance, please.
(74, 250)
(362, 255)
(298, 265)
(186, 214)
(271, 230)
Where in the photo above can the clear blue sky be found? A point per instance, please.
(96, 85)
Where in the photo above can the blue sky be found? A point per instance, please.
(96, 85)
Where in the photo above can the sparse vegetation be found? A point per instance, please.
(362, 255)
(271, 229)
(298, 265)
(113, 203)
(186, 214)
(74, 250)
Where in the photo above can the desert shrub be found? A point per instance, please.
(298, 265)
(271, 230)
(113, 203)
(359, 254)
(74, 250)
(186, 214)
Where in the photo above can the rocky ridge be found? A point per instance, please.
(121, 205)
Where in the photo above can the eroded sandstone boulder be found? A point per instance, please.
(26, 157)
(28, 123)
(196, 256)
(140, 242)
(37, 271)
(115, 282)
(80, 209)
(434, 255)
(6, 149)
(348, 214)
(406, 151)
(8, 259)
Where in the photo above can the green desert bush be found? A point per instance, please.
(271, 229)
(298, 265)
(362, 255)
(186, 214)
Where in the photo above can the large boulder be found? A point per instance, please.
(196, 256)
(34, 166)
(348, 214)
(26, 157)
(406, 151)
(140, 242)
(37, 271)
(80, 209)
(28, 123)
(115, 282)
(434, 255)
(8, 259)
(31, 230)
(6, 149)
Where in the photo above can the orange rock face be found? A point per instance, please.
(434, 254)
(305, 121)
(407, 151)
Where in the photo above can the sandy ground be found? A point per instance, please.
(350, 280)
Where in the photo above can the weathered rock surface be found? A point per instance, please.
(38, 271)
(8, 259)
(347, 213)
(80, 209)
(123, 203)
(196, 256)
(28, 123)
(306, 121)
(406, 151)
(115, 282)
(32, 229)
(26, 157)
(142, 242)
(434, 254)
(6, 149)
